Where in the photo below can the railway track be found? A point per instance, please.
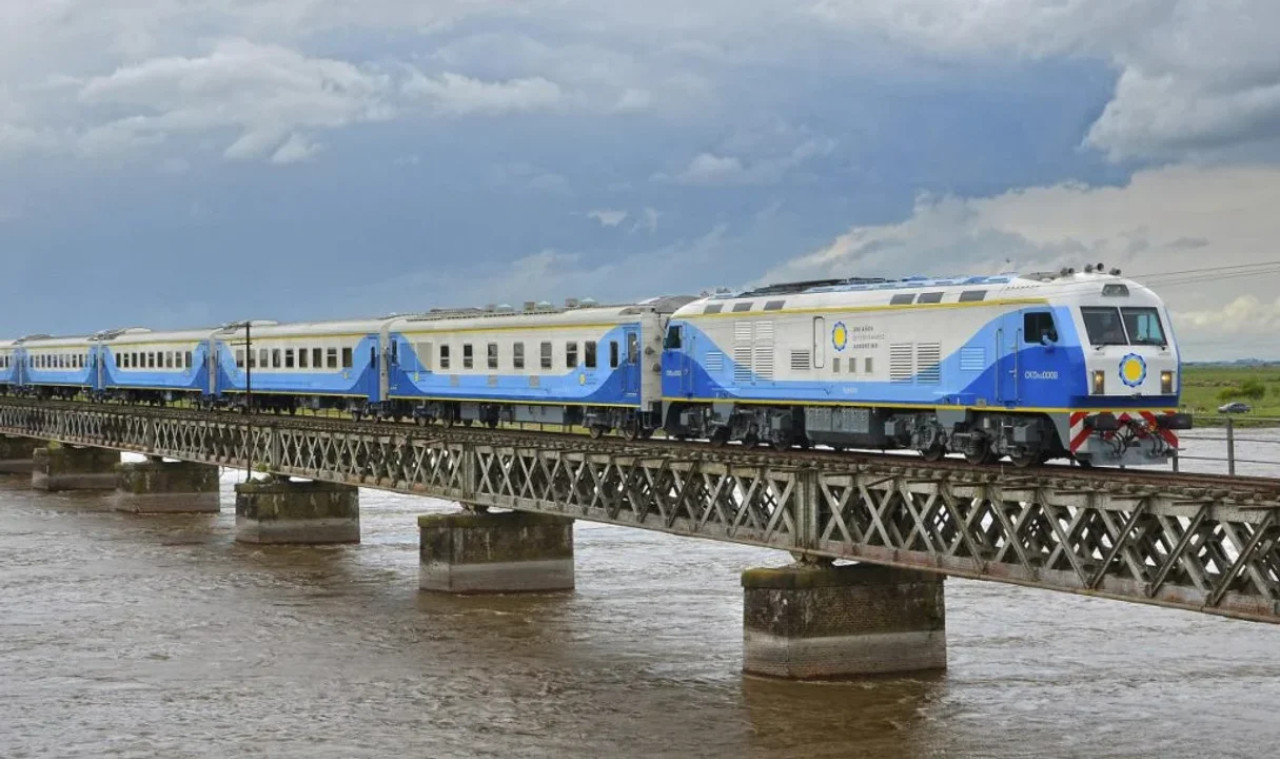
(1194, 485)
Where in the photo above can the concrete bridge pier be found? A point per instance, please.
(279, 510)
(62, 467)
(508, 552)
(820, 621)
(16, 453)
(156, 486)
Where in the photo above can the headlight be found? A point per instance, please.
(1099, 382)
(1166, 383)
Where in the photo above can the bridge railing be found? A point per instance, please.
(1231, 444)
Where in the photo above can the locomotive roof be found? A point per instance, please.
(1065, 285)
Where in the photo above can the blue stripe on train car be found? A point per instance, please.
(361, 380)
(195, 379)
(603, 385)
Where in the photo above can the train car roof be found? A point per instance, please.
(140, 336)
(343, 327)
(46, 341)
(546, 315)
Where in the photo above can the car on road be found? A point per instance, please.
(1235, 407)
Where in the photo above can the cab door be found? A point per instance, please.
(1008, 341)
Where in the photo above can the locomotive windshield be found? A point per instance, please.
(1143, 326)
(1123, 326)
(1104, 326)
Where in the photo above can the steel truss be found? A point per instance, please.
(1202, 548)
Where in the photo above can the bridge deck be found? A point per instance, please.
(1200, 542)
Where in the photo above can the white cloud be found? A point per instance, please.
(753, 156)
(648, 220)
(709, 169)
(265, 92)
(607, 217)
(1167, 220)
(1246, 316)
(459, 95)
(1196, 77)
(525, 177)
(295, 149)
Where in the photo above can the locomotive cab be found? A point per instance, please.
(1126, 409)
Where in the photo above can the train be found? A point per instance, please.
(1076, 365)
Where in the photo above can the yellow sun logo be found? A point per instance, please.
(1133, 370)
(839, 336)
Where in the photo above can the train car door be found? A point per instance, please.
(1008, 339)
(631, 365)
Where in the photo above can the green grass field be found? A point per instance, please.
(1205, 388)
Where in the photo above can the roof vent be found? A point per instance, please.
(588, 303)
(529, 305)
(544, 305)
(490, 308)
(504, 308)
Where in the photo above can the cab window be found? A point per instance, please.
(1103, 326)
(1143, 326)
(1038, 325)
(674, 338)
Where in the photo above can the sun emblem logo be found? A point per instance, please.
(1133, 370)
(839, 336)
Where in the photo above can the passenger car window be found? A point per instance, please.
(517, 355)
(571, 355)
(589, 348)
(546, 355)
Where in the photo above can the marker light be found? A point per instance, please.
(1099, 382)
(1166, 382)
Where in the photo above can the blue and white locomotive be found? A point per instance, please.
(1057, 365)
(1054, 365)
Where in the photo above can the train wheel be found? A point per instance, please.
(596, 431)
(934, 453)
(980, 457)
(631, 431)
(780, 444)
(1026, 459)
(751, 440)
(720, 437)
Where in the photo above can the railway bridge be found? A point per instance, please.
(1199, 542)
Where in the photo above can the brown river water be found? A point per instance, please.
(159, 636)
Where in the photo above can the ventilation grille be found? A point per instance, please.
(764, 361)
(973, 359)
(929, 361)
(901, 368)
(742, 364)
(752, 351)
(715, 361)
(800, 361)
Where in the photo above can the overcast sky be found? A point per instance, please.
(172, 163)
